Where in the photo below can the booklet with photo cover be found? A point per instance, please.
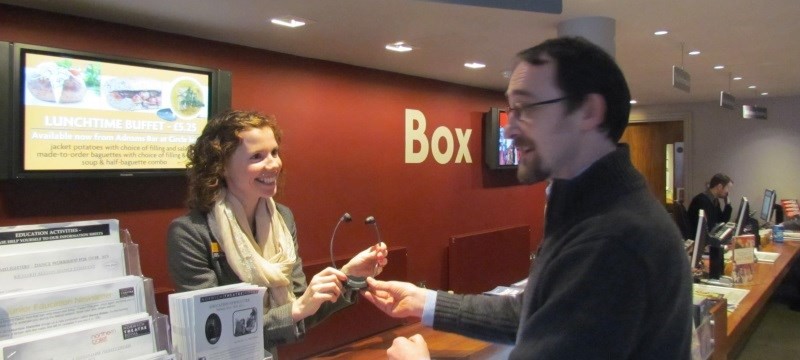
(30, 312)
(744, 260)
(223, 323)
(123, 337)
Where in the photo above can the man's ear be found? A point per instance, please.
(594, 111)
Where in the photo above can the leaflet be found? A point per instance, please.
(30, 312)
(219, 323)
(26, 238)
(118, 338)
(40, 269)
(733, 296)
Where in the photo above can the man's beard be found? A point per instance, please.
(532, 173)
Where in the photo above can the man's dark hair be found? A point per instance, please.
(583, 68)
(717, 179)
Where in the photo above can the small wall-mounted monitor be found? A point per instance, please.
(499, 152)
(80, 114)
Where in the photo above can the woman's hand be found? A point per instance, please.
(324, 286)
(369, 262)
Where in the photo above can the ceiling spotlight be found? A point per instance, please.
(475, 65)
(751, 87)
(764, 94)
(506, 74)
(737, 78)
(661, 32)
(634, 102)
(694, 52)
(399, 47)
(719, 67)
(289, 21)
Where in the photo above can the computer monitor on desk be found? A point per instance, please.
(741, 219)
(768, 207)
(700, 241)
(724, 232)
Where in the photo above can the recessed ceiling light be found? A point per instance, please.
(719, 67)
(506, 74)
(399, 47)
(737, 78)
(751, 87)
(475, 65)
(289, 21)
(661, 32)
(633, 101)
(764, 94)
(694, 52)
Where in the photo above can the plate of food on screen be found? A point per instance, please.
(56, 83)
(133, 94)
(187, 98)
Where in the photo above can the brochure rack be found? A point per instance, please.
(74, 290)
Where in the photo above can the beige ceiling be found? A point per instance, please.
(753, 39)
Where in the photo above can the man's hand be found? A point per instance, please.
(396, 298)
(414, 348)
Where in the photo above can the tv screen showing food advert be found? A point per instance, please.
(88, 115)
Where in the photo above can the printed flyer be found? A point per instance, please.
(27, 238)
(31, 312)
(40, 269)
(219, 323)
(119, 338)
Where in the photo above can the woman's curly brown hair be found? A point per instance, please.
(207, 156)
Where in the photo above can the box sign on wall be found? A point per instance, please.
(416, 138)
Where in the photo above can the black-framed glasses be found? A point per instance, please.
(519, 110)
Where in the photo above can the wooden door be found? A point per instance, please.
(648, 142)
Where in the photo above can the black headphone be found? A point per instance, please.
(354, 282)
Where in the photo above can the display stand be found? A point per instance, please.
(80, 280)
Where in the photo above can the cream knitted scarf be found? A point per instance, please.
(265, 259)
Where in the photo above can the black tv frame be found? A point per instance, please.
(12, 115)
(491, 140)
(5, 109)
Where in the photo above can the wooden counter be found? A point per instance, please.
(442, 345)
(731, 334)
(742, 321)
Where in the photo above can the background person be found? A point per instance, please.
(709, 201)
(235, 232)
(611, 279)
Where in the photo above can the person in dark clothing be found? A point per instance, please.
(611, 279)
(709, 201)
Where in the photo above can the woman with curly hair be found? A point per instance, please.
(235, 232)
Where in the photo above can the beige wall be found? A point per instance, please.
(757, 154)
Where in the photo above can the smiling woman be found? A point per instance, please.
(233, 170)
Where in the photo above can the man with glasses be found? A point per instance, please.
(611, 279)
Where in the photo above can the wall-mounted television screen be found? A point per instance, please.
(78, 114)
(499, 152)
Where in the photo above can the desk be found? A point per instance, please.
(740, 323)
(442, 345)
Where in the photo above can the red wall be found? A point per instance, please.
(343, 150)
